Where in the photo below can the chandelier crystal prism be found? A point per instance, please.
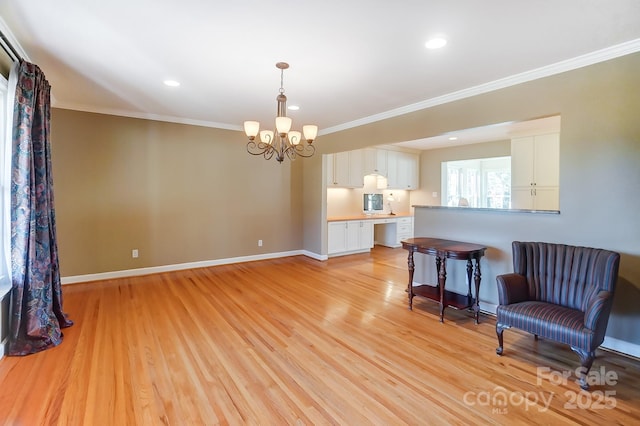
(284, 141)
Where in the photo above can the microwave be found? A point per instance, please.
(372, 203)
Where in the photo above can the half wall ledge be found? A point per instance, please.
(485, 209)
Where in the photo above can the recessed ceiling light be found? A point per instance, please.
(171, 83)
(435, 43)
(293, 107)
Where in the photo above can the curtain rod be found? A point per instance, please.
(8, 47)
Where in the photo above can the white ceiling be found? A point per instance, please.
(493, 132)
(351, 61)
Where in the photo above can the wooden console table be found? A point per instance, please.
(443, 250)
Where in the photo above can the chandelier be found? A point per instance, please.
(283, 141)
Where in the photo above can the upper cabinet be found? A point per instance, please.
(345, 169)
(375, 161)
(402, 170)
(535, 172)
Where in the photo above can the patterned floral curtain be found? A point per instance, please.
(36, 312)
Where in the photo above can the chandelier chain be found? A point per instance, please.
(282, 81)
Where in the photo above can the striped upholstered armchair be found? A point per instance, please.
(559, 292)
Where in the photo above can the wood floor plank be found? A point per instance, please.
(297, 341)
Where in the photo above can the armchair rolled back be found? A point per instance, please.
(565, 275)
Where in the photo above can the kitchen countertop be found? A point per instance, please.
(367, 217)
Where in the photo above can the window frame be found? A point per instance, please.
(5, 194)
(472, 186)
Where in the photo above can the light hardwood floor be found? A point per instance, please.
(297, 341)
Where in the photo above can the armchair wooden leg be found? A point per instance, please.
(586, 360)
(499, 330)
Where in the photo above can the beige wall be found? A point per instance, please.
(599, 173)
(431, 166)
(175, 192)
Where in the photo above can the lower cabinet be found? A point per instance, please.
(405, 229)
(389, 232)
(350, 236)
(543, 198)
(357, 236)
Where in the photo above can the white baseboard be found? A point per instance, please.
(488, 308)
(316, 256)
(625, 348)
(181, 266)
(346, 253)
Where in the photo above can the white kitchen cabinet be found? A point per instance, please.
(402, 170)
(337, 237)
(539, 198)
(337, 171)
(356, 168)
(535, 172)
(375, 161)
(366, 234)
(353, 235)
(408, 165)
(350, 236)
(404, 229)
(345, 169)
(390, 232)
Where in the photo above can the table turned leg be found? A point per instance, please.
(410, 285)
(476, 277)
(469, 273)
(442, 278)
(438, 262)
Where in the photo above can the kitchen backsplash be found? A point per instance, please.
(349, 202)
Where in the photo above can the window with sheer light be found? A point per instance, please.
(5, 152)
(482, 182)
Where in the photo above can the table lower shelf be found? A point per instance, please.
(451, 299)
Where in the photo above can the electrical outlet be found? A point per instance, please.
(434, 194)
(134, 253)
(259, 243)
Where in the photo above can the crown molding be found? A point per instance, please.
(146, 116)
(592, 58)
